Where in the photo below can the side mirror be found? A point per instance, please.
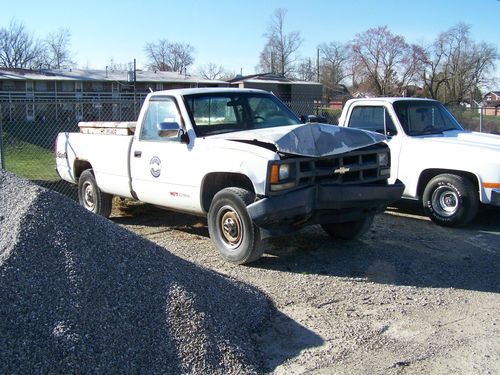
(313, 118)
(172, 130)
(168, 129)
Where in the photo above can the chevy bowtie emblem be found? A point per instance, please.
(341, 170)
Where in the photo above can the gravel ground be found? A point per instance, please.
(79, 294)
(408, 297)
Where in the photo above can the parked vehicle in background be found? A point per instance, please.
(450, 170)
(239, 157)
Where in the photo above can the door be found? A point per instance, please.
(378, 119)
(160, 166)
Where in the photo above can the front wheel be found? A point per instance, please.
(231, 228)
(91, 197)
(349, 230)
(450, 200)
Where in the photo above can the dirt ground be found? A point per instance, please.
(407, 297)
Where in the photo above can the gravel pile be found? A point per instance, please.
(78, 294)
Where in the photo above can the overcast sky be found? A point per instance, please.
(230, 33)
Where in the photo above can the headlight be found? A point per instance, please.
(383, 159)
(284, 172)
(281, 177)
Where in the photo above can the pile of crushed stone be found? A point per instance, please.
(79, 294)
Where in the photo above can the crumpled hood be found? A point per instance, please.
(312, 139)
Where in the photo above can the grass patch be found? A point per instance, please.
(30, 161)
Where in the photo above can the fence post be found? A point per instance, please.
(2, 160)
(480, 119)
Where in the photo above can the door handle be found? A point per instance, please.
(137, 154)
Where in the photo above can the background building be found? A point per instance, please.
(26, 94)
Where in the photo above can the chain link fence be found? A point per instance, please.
(28, 129)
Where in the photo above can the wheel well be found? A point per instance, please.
(214, 182)
(429, 174)
(80, 166)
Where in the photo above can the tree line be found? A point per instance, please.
(20, 49)
(452, 69)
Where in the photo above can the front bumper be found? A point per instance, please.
(321, 204)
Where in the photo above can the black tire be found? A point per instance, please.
(231, 229)
(91, 197)
(349, 230)
(450, 200)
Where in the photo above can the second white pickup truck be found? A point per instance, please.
(239, 157)
(450, 170)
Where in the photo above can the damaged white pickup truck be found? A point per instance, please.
(239, 157)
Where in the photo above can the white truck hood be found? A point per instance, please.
(312, 139)
(483, 141)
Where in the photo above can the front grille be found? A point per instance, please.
(353, 168)
(356, 167)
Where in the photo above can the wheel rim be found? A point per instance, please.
(230, 227)
(88, 196)
(445, 201)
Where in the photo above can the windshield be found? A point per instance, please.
(216, 113)
(424, 117)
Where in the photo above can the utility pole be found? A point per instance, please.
(317, 65)
(135, 99)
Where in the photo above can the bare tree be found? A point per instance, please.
(19, 49)
(181, 56)
(334, 66)
(279, 53)
(267, 60)
(166, 56)
(57, 49)
(213, 71)
(334, 62)
(306, 70)
(385, 60)
(157, 54)
(115, 66)
(457, 66)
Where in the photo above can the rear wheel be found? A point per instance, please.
(91, 197)
(349, 230)
(231, 228)
(450, 200)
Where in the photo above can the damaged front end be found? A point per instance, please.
(326, 175)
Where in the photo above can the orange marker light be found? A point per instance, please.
(491, 185)
(274, 174)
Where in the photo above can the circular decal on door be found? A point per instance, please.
(155, 166)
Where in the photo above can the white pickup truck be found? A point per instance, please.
(239, 157)
(450, 170)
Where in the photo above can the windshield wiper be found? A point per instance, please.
(448, 129)
(426, 132)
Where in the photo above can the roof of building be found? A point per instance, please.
(100, 75)
(497, 93)
(269, 78)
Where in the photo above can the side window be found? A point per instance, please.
(159, 111)
(372, 118)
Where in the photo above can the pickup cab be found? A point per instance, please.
(450, 170)
(240, 158)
